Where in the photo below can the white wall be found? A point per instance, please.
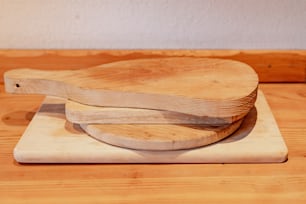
(204, 24)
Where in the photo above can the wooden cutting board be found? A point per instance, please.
(50, 138)
(80, 113)
(159, 137)
(212, 88)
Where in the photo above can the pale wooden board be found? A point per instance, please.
(81, 113)
(49, 138)
(212, 88)
(160, 137)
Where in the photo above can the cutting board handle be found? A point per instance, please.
(31, 81)
(212, 88)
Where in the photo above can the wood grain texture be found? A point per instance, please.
(147, 183)
(159, 137)
(122, 183)
(206, 87)
(49, 138)
(271, 65)
(80, 113)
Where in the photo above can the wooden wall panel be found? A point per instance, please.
(271, 65)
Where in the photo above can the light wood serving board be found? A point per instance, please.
(81, 113)
(213, 88)
(159, 137)
(144, 129)
(49, 138)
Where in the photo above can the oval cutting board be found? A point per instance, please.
(199, 86)
(159, 137)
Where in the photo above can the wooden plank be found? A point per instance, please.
(51, 139)
(222, 91)
(282, 95)
(160, 137)
(80, 113)
(271, 65)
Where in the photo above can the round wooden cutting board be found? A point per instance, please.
(213, 88)
(159, 137)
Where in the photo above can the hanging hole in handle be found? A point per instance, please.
(17, 85)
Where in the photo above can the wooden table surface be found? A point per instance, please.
(157, 183)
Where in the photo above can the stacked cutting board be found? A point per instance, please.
(154, 106)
